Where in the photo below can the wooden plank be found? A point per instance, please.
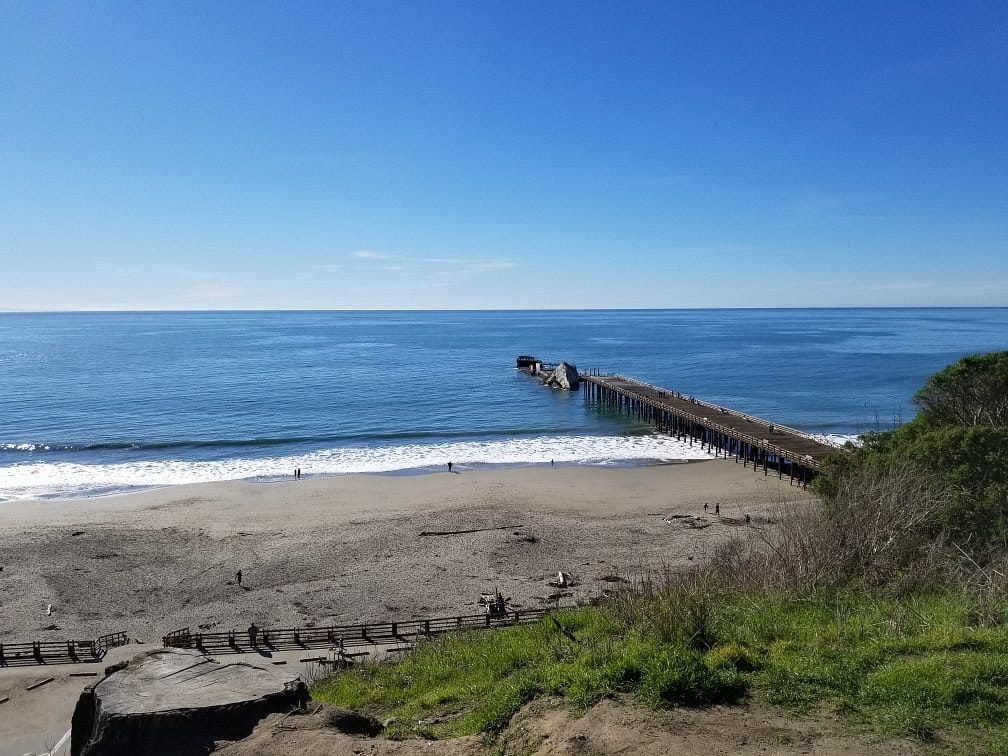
(39, 684)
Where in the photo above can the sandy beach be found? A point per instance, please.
(318, 551)
(321, 551)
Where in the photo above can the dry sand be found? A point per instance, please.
(337, 550)
(348, 549)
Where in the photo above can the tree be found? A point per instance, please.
(973, 391)
(960, 436)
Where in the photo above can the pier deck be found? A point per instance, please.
(721, 430)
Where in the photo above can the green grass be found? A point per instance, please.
(920, 667)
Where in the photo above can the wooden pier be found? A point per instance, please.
(719, 430)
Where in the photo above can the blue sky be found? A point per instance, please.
(212, 155)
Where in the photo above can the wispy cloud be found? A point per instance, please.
(816, 208)
(440, 271)
(899, 286)
(117, 270)
(217, 291)
(458, 268)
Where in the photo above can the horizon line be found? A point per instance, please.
(497, 309)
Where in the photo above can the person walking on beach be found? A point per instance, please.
(717, 509)
(253, 633)
(238, 578)
(449, 466)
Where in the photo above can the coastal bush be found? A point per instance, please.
(959, 440)
(971, 392)
(881, 529)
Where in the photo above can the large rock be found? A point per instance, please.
(564, 376)
(173, 701)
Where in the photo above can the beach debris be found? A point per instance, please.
(613, 579)
(563, 580)
(469, 530)
(48, 610)
(40, 683)
(77, 533)
(496, 605)
(690, 521)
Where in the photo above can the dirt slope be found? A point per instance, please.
(547, 728)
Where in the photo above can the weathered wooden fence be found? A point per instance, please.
(345, 636)
(59, 651)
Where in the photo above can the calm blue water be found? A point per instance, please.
(99, 402)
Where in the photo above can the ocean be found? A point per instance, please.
(100, 403)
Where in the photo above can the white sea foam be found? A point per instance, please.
(837, 439)
(44, 479)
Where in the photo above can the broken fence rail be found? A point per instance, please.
(59, 651)
(346, 636)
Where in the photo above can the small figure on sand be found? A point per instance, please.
(253, 633)
(449, 467)
(717, 509)
(705, 506)
(238, 578)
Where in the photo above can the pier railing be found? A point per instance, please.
(728, 410)
(721, 430)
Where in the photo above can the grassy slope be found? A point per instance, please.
(918, 667)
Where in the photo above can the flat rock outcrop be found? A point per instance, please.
(174, 701)
(565, 376)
